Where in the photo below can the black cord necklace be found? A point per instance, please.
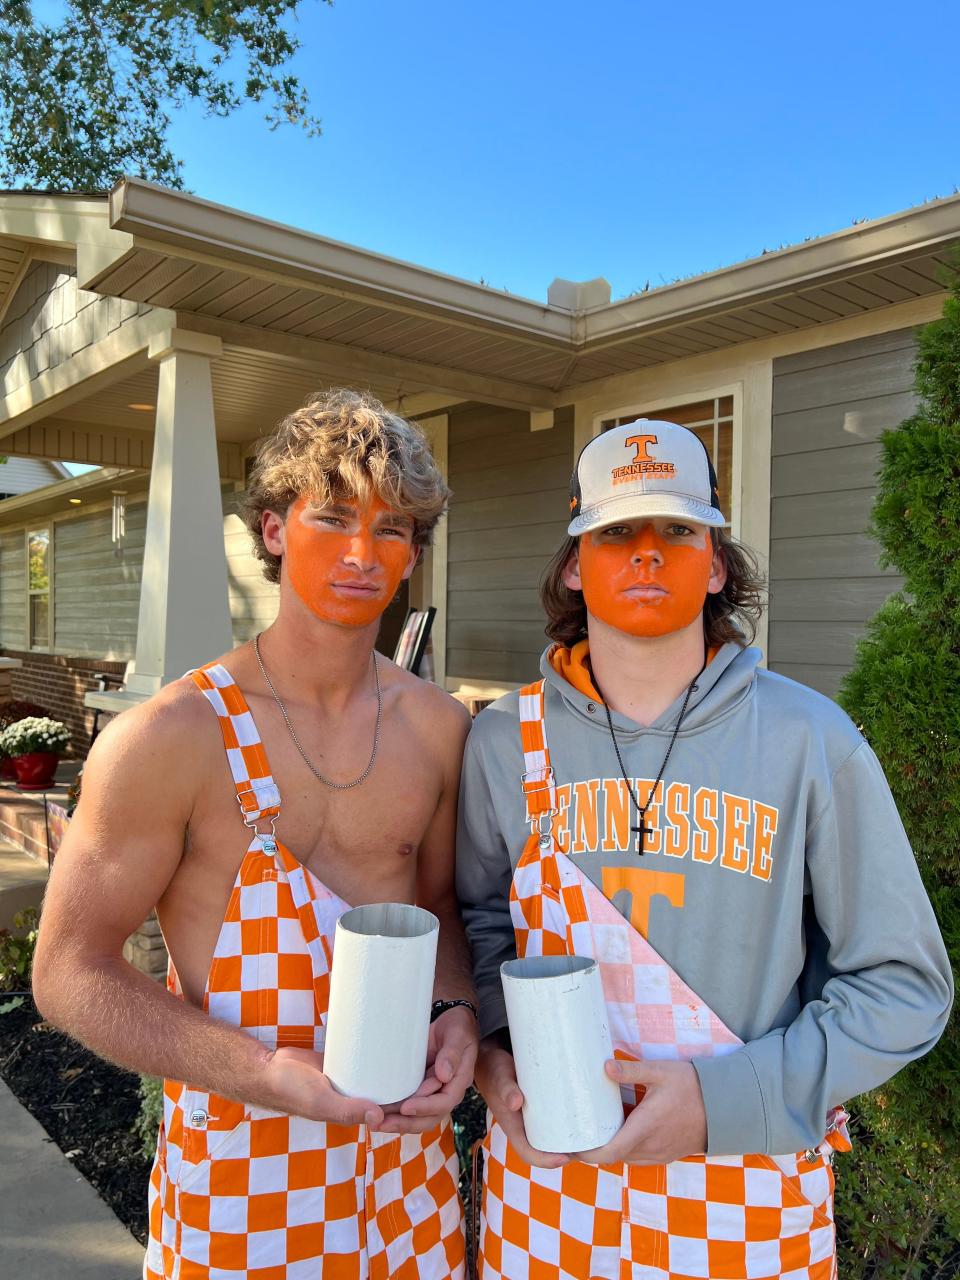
(641, 812)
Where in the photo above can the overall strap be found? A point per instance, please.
(257, 794)
(538, 779)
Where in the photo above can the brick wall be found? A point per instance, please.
(59, 684)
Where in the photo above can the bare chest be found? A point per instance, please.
(361, 843)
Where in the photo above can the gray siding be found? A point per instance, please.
(13, 590)
(96, 592)
(829, 410)
(507, 517)
(253, 600)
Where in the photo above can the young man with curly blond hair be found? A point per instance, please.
(250, 803)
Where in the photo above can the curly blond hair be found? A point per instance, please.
(344, 444)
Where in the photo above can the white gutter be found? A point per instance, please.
(866, 247)
(157, 216)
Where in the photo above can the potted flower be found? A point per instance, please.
(35, 744)
(12, 710)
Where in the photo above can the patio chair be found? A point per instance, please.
(414, 635)
(105, 680)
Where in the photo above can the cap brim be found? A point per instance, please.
(633, 506)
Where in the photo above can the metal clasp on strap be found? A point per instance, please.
(540, 793)
(265, 808)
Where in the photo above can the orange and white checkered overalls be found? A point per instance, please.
(751, 1217)
(238, 1192)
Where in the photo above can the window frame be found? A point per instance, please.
(47, 528)
(671, 400)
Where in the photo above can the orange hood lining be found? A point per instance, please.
(574, 666)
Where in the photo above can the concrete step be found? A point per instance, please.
(22, 882)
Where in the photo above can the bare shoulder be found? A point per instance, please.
(163, 743)
(428, 707)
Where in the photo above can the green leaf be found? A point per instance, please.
(87, 99)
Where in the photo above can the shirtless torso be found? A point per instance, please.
(379, 842)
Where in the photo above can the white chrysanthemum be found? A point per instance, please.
(34, 733)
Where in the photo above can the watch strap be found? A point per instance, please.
(441, 1006)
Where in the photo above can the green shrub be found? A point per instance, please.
(151, 1113)
(16, 951)
(898, 1195)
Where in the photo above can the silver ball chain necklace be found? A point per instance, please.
(327, 782)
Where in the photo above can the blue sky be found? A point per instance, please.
(516, 140)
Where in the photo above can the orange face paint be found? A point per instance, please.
(345, 567)
(645, 581)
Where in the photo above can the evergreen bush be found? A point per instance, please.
(898, 1196)
(151, 1113)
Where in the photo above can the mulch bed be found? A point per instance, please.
(87, 1106)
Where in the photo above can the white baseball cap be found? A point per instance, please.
(645, 468)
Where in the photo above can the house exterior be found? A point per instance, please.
(157, 336)
(22, 475)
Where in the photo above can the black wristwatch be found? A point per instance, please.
(441, 1006)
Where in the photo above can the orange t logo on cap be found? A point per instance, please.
(640, 443)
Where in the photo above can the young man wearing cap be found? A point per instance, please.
(723, 842)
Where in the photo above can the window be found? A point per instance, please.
(712, 421)
(38, 588)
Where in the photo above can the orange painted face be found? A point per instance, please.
(345, 561)
(647, 579)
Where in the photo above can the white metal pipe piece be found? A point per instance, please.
(381, 989)
(561, 1039)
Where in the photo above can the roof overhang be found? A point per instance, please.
(72, 494)
(263, 285)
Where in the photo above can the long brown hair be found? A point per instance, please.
(731, 614)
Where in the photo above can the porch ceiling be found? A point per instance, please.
(14, 256)
(251, 392)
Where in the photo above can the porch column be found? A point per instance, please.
(184, 603)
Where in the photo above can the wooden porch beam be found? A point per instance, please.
(68, 441)
(342, 363)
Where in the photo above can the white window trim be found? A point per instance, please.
(670, 400)
(39, 527)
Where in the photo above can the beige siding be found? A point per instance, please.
(253, 600)
(830, 407)
(96, 592)
(23, 475)
(13, 590)
(507, 517)
(50, 320)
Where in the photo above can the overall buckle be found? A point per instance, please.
(538, 783)
(266, 798)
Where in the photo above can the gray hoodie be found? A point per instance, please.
(777, 881)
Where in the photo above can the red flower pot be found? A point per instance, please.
(8, 769)
(36, 769)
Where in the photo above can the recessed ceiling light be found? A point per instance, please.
(75, 502)
(144, 408)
